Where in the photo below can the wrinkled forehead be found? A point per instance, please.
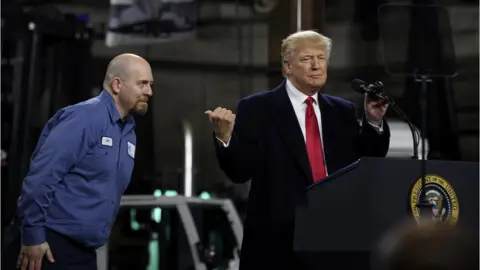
(310, 47)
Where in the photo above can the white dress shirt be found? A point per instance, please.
(297, 99)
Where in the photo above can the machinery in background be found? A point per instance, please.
(402, 142)
(45, 66)
(147, 22)
(186, 233)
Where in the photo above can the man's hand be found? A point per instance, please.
(222, 121)
(31, 256)
(375, 110)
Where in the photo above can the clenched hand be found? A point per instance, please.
(32, 256)
(222, 121)
(375, 110)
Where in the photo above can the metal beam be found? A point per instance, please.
(281, 23)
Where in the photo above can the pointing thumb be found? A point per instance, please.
(50, 256)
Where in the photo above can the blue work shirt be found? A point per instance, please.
(79, 170)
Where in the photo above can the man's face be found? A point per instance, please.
(136, 89)
(307, 67)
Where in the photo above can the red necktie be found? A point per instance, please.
(314, 142)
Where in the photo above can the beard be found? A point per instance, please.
(141, 108)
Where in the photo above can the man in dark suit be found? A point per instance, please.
(286, 139)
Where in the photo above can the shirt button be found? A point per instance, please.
(113, 201)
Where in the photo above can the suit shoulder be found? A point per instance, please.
(257, 99)
(252, 104)
(257, 96)
(338, 101)
(250, 111)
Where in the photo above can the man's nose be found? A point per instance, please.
(315, 64)
(149, 91)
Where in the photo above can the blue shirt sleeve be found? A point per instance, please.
(58, 150)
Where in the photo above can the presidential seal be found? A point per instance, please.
(440, 194)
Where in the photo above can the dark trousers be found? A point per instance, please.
(68, 254)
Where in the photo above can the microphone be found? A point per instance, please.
(374, 91)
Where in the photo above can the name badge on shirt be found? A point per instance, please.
(131, 149)
(107, 141)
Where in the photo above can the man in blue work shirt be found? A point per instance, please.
(79, 170)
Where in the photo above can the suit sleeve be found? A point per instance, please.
(239, 159)
(65, 144)
(371, 143)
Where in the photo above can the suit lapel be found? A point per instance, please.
(291, 132)
(329, 118)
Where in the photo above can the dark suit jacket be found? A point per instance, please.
(268, 147)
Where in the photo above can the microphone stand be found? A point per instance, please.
(405, 118)
(424, 205)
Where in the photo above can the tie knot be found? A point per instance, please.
(310, 101)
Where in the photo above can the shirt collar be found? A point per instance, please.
(296, 97)
(106, 97)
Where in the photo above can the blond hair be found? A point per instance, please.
(290, 43)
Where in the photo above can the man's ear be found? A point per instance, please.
(287, 68)
(116, 85)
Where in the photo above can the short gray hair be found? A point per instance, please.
(289, 43)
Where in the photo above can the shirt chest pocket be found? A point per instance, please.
(99, 162)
